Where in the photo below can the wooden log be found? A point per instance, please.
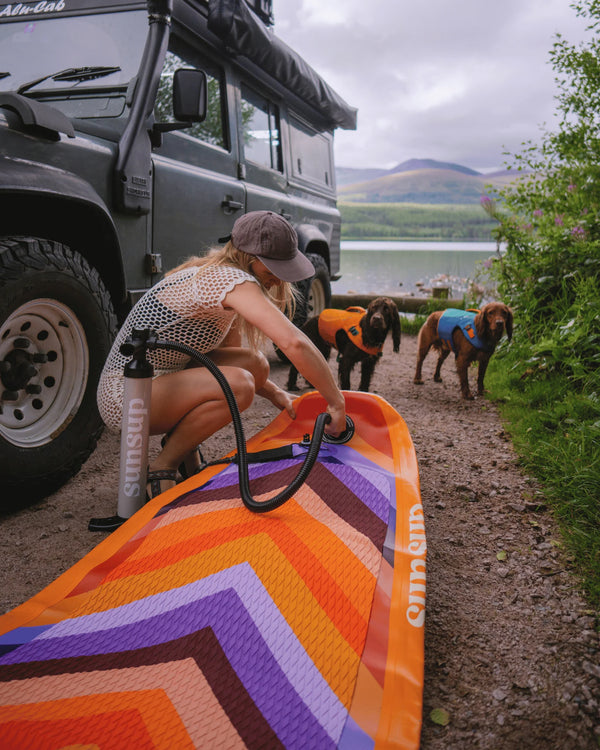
(404, 303)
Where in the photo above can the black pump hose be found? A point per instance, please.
(309, 460)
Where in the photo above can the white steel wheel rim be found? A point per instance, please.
(53, 329)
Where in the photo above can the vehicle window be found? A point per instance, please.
(35, 50)
(211, 130)
(311, 153)
(260, 123)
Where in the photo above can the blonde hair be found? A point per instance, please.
(283, 295)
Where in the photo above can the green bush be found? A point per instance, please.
(547, 381)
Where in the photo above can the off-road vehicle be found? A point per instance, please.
(132, 135)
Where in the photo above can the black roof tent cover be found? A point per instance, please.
(240, 29)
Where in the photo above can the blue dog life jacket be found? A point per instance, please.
(452, 319)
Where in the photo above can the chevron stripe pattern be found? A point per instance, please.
(207, 626)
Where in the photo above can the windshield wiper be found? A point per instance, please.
(73, 74)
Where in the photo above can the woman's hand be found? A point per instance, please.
(338, 420)
(248, 300)
(278, 397)
(282, 400)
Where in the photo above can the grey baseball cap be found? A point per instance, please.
(274, 240)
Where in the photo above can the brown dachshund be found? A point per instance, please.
(472, 337)
(357, 334)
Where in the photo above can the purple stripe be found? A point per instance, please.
(22, 635)
(374, 486)
(355, 738)
(371, 487)
(389, 545)
(241, 641)
(279, 637)
(229, 477)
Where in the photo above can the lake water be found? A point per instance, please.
(397, 267)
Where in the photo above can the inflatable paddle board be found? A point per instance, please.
(199, 624)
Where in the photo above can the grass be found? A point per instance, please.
(411, 324)
(555, 429)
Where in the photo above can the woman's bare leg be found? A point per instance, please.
(190, 406)
(254, 362)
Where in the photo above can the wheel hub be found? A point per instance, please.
(38, 392)
(17, 369)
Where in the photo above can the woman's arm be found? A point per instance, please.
(248, 300)
(256, 363)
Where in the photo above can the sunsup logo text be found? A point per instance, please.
(32, 9)
(135, 442)
(415, 612)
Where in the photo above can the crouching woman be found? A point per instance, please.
(213, 303)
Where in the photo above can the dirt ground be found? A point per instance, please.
(511, 651)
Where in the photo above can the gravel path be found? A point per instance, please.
(512, 656)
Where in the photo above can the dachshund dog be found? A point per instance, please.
(357, 334)
(472, 337)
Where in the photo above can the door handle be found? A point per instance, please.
(229, 205)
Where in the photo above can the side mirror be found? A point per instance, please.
(189, 95)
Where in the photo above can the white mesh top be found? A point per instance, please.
(185, 307)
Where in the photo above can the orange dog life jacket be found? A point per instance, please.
(330, 321)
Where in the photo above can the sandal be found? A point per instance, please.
(154, 479)
(196, 467)
(182, 468)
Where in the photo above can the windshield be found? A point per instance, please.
(31, 50)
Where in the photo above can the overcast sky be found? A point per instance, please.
(454, 80)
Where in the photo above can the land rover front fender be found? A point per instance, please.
(45, 201)
(312, 241)
(24, 175)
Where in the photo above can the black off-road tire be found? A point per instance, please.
(57, 324)
(315, 295)
(316, 291)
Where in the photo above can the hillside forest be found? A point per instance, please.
(420, 199)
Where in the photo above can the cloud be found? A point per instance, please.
(460, 82)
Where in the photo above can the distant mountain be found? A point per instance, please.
(418, 181)
(350, 175)
(412, 165)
